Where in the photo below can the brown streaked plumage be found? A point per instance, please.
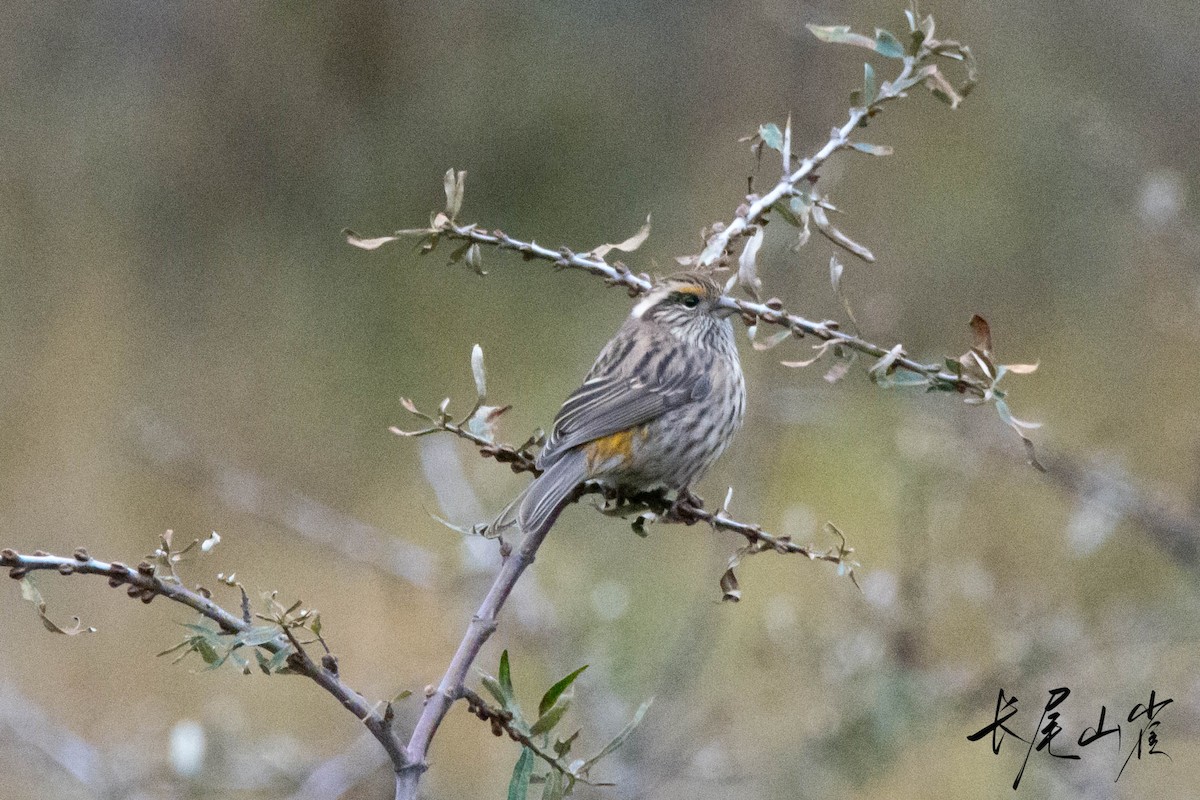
(662, 402)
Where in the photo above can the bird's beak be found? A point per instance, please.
(725, 308)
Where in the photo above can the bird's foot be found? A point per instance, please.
(684, 499)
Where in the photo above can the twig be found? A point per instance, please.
(770, 312)
(689, 510)
(502, 724)
(145, 585)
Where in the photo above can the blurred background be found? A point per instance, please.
(188, 343)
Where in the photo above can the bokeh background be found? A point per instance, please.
(187, 343)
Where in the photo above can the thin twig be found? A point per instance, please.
(689, 510)
(145, 585)
(771, 312)
(502, 724)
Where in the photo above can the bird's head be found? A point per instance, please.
(688, 305)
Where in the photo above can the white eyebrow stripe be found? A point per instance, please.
(648, 302)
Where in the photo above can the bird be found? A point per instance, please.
(662, 402)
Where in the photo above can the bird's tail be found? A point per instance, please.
(536, 508)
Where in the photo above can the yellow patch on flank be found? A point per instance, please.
(614, 445)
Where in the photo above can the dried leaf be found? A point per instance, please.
(837, 237)
(839, 369)
(885, 364)
(747, 273)
(729, 587)
(770, 341)
(841, 34)
(836, 270)
(872, 149)
(29, 591)
(478, 373)
(821, 350)
(713, 250)
(453, 182)
(787, 145)
(354, 239)
(212, 541)
(627, 246)
(942, 89)
(1019, 427)
(475, 259)
(1022, 369)
(983, 334)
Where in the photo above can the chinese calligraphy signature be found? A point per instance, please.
(1143, 717)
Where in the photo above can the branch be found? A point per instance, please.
(770, 312)
(917, 69)
(452, 685)
(688, 510)
(145, 585)
(502, 724)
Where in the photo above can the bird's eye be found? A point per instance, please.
(690, 300)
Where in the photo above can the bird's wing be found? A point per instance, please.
(612, 402)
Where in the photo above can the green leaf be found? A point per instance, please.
(258, 635)
(518, 787)
(785, 212)
(207, 652)
(905, 378)
(617, 740)
(505, 677)
(887, 45)
(549, 719)
(456, 255)
(494, 689)
(868, 90)
(279, 660)
(554, 788)
(563, 746)
(771, 135)
(554, 692)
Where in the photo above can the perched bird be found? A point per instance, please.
(662, 402)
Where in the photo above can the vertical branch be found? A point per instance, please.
(483, 624)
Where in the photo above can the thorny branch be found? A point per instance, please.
(144, 584)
